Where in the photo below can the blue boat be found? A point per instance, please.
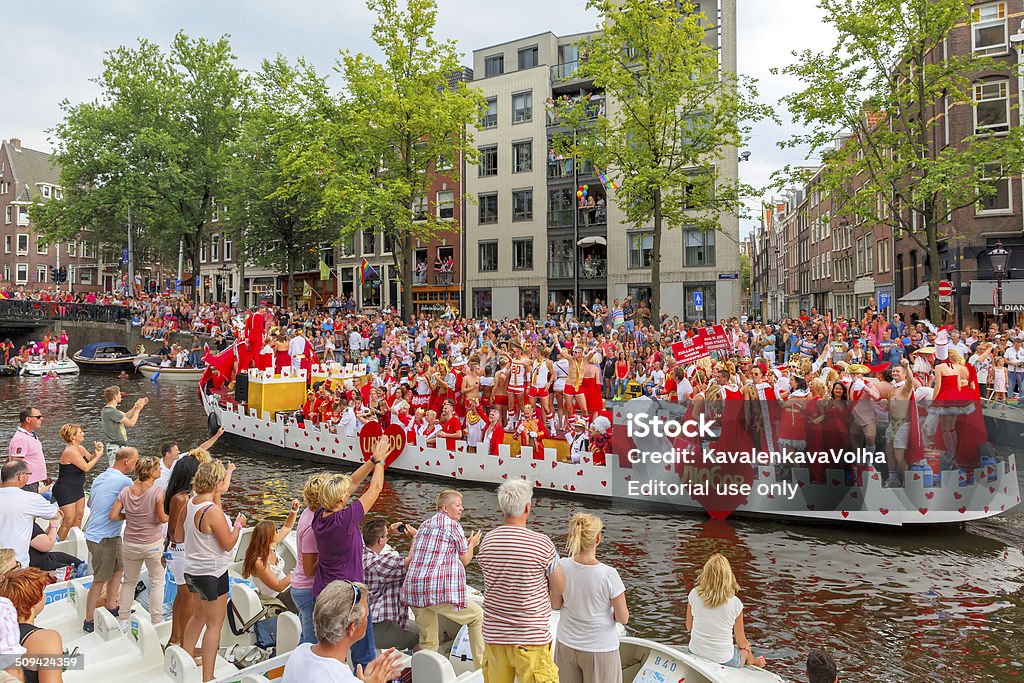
(105, 357)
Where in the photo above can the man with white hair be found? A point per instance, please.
(521, 572)
(339, 620)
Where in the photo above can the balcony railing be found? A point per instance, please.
(562, 218)
(563, 168)
(561, 269)
(593, 110)
(565, 70)
(441, 278)
(593, 268)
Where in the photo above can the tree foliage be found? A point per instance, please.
(278, 221)
(883, 89)
(156, 140)
(673, 115)
(405, 120)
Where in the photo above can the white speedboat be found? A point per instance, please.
(38, 368)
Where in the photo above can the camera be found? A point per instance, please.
(401, 528)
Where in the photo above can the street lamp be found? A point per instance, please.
(1000, 258)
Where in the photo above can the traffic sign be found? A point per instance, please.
(945, 288)
(698, 300)
(197, 280)
(883, 300)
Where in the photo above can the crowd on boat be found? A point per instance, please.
(353, 593)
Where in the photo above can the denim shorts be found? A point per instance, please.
(737, 659)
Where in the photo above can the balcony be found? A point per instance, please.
(561, 269)
(593, 268)
(564, 71)
(562, 218)
(559, 169)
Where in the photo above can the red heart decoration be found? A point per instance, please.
(917, 475)
(884, 511)
(986, 509)
(957, 495)
(553, 463)
(810, 506)
(533, 465)
(500, 462)
(930, 495)
(836, 482)
(504, 475)
(460, 470)
(846, 513)
(923, 511)
(481, 466)
(579, 473)
(853, 494)
(572, 487)
(961, 510)
(372, 431)
(604, 483)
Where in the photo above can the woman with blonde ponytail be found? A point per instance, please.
(592, 602)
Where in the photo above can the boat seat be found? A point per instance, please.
(244, 610)
(137, 652)
(289, 632)
(73, 545)
(428, 665)
(178, 667)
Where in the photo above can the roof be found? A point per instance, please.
(31, 167)
(89, 350)
(873, 117)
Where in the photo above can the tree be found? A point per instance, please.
(280, 223)
(882, 89)
(672, 115)
(406, 116)
(156, 140)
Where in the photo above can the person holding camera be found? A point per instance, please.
(384, 573)
(435, 581)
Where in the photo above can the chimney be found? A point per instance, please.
(16, 143)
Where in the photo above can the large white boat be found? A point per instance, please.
(38, 368)
(952, 497)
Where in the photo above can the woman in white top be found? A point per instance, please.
(262, 563)
(209, 540)
(714, 615)
(592, 602)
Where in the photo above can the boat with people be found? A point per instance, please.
(944, 494)
(40, 367)
(105, 356)
(154, 371)
(141, 652)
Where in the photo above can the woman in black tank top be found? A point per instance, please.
(25, 589)
(69, 491)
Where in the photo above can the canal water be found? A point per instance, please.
(896, 605)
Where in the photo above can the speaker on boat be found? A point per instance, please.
(241, 387)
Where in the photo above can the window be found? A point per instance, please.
(488, 257)
(42, 247)
(488, 208)
(40, 273)
(488, 161)
(7, 272)
(227, 250)
(215, 248)
(988, 28)
(21, 274)
(87, 250)
(57, 193)
(369, 242)
(1000, 201)
(481, 303)
(348, 244)
(420, 208)
(528, 57)
(72, 248)
(708, 312)
(8, 240)
(490, 119)
(85, 276)
(22, 244)
(522, 156)
(522, 206)
(641, 245)
(46, 194)
(9, 215)
(446, 205)
(202, 252)
(522, 107)
(699, 248)
(494, 65)
(22, 215)
(529, 301)
(883, 256)
(522, 254)
(992, 107)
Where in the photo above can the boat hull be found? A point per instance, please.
(171, 374)
(64, 367)
(616, 481)
(105, 364)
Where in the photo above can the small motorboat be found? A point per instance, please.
(153, 371)
(105, 357)
(39, 367)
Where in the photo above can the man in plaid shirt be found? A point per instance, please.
(384, 573)
(435, 582)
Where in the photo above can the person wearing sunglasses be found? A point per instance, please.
(25, 445)
(340, 620)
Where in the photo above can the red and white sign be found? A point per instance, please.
(689, 351)
(945, 288)
(372, 431)
(714, 338)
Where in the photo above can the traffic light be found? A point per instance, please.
(62, 274)
(54, 275)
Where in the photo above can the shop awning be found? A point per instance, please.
(915, 298)
(983, 295)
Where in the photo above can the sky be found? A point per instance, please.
(53, 52)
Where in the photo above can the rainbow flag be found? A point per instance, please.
(366, 272)
(607, 182)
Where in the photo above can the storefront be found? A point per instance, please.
(985, 297)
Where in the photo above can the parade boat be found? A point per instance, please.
(105, 357)
(41, 367)
(266, 422)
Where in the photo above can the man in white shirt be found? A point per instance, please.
(1015, 368)
(18, 509)
(354, 339)
(339, 620)
(297, 349)
(172, 454)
